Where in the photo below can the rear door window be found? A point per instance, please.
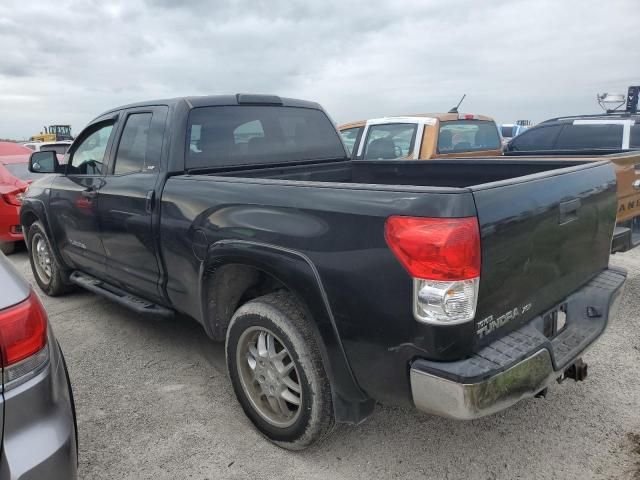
(390, 140)
(538, 138)
(132, 149)
(467, 136)
(591, 136)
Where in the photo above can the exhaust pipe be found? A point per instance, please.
(577, 371)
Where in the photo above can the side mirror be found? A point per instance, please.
(45, 161)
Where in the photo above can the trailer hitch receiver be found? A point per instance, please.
(577, 371)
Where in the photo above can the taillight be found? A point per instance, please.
(443, 257)
(14, 198)
(23, 338)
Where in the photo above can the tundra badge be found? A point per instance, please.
(489, 324)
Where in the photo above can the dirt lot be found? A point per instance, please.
(154, 401)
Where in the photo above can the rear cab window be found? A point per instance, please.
(467, 136)
(253, 135)
(389, 140)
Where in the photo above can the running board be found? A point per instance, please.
(118, 295)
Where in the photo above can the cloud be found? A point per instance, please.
(513, 59)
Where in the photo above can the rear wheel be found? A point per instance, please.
(7, 247)
(46, 268)
(277, 373)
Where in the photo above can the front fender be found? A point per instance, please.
(297, 272)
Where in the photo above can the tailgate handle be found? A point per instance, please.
(569, 211)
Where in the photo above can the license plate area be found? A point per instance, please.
(554, 321)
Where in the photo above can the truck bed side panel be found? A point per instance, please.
(341, 231)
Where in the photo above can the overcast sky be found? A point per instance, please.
(67, 61)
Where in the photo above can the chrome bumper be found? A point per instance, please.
(465, 401)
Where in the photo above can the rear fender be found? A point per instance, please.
(297, 273)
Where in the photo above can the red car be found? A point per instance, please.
(14, 180)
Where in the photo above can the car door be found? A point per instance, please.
(73, 205)
(351, 138)
(128, 203)
(535, 139)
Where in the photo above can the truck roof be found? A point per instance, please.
(219, 100)
(417, 118)
(596, 116)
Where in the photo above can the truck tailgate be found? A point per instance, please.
(542, 237)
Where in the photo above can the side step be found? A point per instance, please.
(118, 295)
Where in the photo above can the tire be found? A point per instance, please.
(56, 281)
(279, 315)
(7, 247)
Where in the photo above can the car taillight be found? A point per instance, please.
(443, 257)
(23, 339)
(14, 198)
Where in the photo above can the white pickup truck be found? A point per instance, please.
(422, 137)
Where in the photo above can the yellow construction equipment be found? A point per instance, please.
(53, 133)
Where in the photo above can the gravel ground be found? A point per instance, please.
(154, 401)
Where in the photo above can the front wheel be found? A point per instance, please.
(49, 274)
(277, 372)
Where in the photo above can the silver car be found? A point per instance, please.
(37, 414)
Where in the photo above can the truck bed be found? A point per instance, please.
(458, 173)
(545, 231)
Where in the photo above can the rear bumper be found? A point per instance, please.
(520, 364)
(10, 228)
(39, 438)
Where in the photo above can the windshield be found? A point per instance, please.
(21, 171)
(390, 140)
(467, 136)
(507, 132)
(249, 135)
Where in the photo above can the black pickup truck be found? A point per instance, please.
(461, 286)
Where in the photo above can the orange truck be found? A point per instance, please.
(422, 137)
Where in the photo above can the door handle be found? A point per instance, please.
(150, 201)
(569, 211)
